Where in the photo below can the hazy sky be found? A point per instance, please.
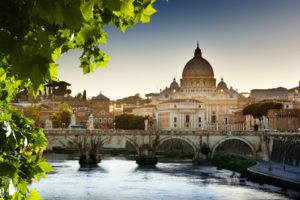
(250, 43)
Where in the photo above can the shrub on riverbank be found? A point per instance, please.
(173, 153)
(232, 162)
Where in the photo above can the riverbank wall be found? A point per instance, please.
(275, 175)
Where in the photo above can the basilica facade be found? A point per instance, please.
(197, 102)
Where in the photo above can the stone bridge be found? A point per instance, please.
(260, 143)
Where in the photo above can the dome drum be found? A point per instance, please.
(198, 82)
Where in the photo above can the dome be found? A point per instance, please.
(197, 66)
(174, 85)
(222, 85)
(100, 97)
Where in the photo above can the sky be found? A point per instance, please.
(252, 44)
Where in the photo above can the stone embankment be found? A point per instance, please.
(275, 174)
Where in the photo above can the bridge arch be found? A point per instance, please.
(188, 141)
(245, 141)
(65, 141)
(128, 139)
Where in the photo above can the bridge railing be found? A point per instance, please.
(153, 132)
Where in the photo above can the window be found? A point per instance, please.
(175, 119)
(199, 119)
(213, 119)
(187, 118)
(199, 106)
(226, 121)
(175, 125)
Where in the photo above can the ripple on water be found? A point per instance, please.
(122, 179)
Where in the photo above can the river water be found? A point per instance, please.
(119, 178)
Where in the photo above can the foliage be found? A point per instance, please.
(33, 34)
(133, 100)
(21, 145)
(62, 118)
(33, 113)
(84, 95)
(176, 153)
(233, 162)
(78, 96)
(131, 122)
(81, 96)
(260, 109)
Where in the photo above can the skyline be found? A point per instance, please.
(251, 44)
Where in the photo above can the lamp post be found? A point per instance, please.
(287, 121)
(275, 121)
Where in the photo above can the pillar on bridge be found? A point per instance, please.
(266, 147)
(146, 156)
(198, 158)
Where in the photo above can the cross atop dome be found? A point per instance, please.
(198, 51)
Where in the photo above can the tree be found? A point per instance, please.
(257, 110)
(32, 36)
(84, 95)
(33, 113)
(21, 145)
(62, 118)
(78, 96)
(131, 122)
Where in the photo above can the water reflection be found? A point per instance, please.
(117, 178)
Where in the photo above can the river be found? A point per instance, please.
(117, 178)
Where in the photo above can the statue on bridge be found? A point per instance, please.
(73, 120)
(48, 124)
(90, 122)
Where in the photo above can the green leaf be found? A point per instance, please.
(22, 187)
(34, 195)
(58, 13)
(85, 34)
(46, 167)
(72, 15)
(7, 169)
(2, 74)
(114, 5)
(147, 13)
(87, 9)
(127, 7)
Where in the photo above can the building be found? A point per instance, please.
(279, 93)
(81, 109)
(180, 114)
(99, 106)
(198, 102)
(284, 119)
(147, 110)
